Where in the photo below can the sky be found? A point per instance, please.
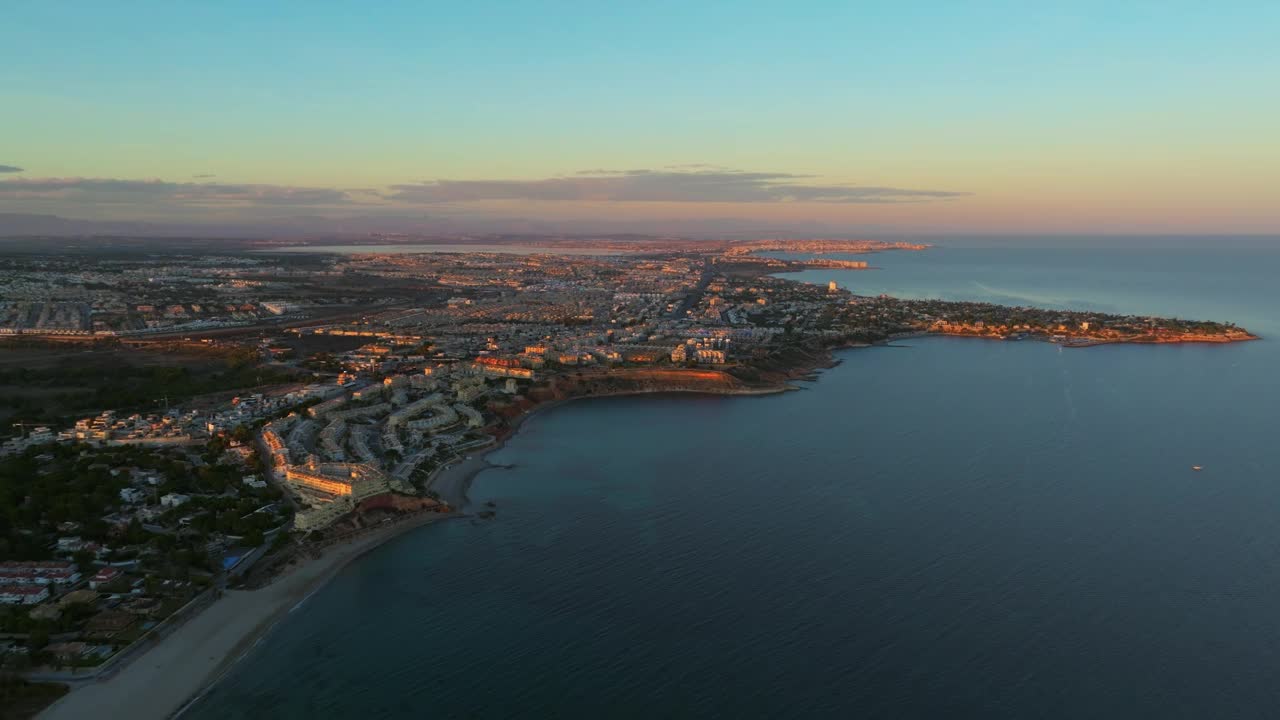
(1001, 117)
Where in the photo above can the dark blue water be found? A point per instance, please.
(958, 528)
(1233, 284)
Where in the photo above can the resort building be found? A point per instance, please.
(23, 594)
(38, 572)
(325, 482)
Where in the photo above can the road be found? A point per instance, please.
(695, 296)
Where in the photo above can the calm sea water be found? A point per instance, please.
(950, 528)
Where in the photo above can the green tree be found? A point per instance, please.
(39, 637)
(82, 558)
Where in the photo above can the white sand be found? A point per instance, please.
(168, 676)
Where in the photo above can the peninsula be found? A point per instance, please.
(203, 438)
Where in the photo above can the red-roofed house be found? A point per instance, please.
(39, 572)
(23, 594)
(104, 576)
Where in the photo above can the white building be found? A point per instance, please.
(133, 495)
(173, 500)
(23, 594)
(103, 577)
(147, 477)
(38, 572)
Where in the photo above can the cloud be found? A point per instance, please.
(690, 184)
(116, 191)
(10, 169)
(698, 166)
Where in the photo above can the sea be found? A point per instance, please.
(939, 528)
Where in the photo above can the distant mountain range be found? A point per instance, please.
(304, 226)
(28, 224)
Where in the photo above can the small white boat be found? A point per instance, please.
(1197, 468)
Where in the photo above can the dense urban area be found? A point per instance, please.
(180, 420)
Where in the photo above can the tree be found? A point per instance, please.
(253, 538)
(134, 534)
(39, 637)
(82, 558)
(281, 539)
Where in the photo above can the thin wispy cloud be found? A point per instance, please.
(10, 169)
(694, 184)
(698, 166)
(145, 192)
(200, 197)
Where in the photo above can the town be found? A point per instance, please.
(178, 424)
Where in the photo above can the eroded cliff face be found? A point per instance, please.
(599, 382)
(643, 380)
(778, 367)
(395, 502)
(764, 375)
(374, 509)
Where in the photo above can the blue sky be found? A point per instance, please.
(1112, 116)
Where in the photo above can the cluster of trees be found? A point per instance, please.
(228, 516)
(46, 486)
(176, 556)
(57, 483)
(126, 387)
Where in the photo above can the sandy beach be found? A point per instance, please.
(452, 482)
(170, 676)
(165, 679)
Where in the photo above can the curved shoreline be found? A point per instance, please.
(453, 482)
(170, 678)
(330, 565)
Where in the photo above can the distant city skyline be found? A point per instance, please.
(992, 117)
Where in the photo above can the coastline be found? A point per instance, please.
(452, 482)
(169, 678)
(1086, 341)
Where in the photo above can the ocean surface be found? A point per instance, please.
(951, 528)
